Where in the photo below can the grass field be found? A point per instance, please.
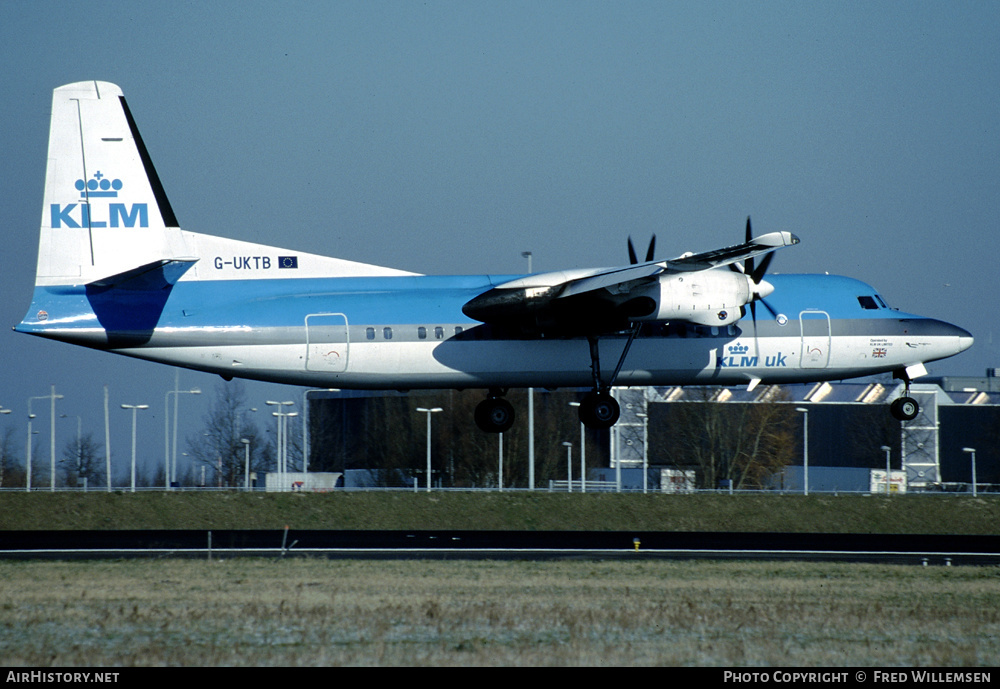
(305, 611)
(447, 613)
(514, 511)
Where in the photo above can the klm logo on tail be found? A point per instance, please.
(78, 215)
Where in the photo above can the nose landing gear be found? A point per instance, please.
(905, 408)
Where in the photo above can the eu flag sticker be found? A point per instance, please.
(288, 261)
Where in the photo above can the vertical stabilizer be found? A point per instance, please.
(104, 209)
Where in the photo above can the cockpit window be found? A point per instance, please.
(882, 303)
(867, 302)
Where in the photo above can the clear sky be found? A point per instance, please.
(448, 137)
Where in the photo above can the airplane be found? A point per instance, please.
(116, 272)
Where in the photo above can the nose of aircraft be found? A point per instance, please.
(965, 339)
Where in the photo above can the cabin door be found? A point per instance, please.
(327, 342)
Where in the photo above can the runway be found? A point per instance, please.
(938, 550)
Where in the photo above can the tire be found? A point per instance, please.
(905, 409)
(599, 411)
(494, 415)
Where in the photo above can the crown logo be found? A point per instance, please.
(738, 349)
(98, 186)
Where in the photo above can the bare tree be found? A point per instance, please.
(743, 443)
(82, 460)
(10, 465)
(219, 446)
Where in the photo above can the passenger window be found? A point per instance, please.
(458, 330)
(387, 333)
(422, 332)
(439, 332)
(370, 333)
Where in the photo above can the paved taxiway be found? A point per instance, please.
(526, 545)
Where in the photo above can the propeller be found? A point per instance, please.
(649, 252)
(756, 275)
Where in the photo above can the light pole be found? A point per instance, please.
(246, 465)
(569, 466)
(107, 438)
(424, 410)
(972, 451)
(887, 450)
(500, 463)
(805, 449)
(27, 464)
(583, 452)
(282, 447)
(531, 413)
(279, 441)
(645, 451)
(52, 437)
(170, 467)
(134, 408)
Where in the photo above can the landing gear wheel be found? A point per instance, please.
(599, 410)
(905, 408)
(494, 415)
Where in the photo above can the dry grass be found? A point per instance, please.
(481, 613)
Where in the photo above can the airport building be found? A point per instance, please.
(839, 432)
(844, 432)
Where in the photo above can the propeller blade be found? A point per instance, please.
(758, 274)
(767, 306)
(633, 259)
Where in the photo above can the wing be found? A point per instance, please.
(603, 300)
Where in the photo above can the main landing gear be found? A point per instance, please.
(599, 410)
(494, 414)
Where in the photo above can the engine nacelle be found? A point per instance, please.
(707, 297)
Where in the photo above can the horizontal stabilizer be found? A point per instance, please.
(150, 277)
